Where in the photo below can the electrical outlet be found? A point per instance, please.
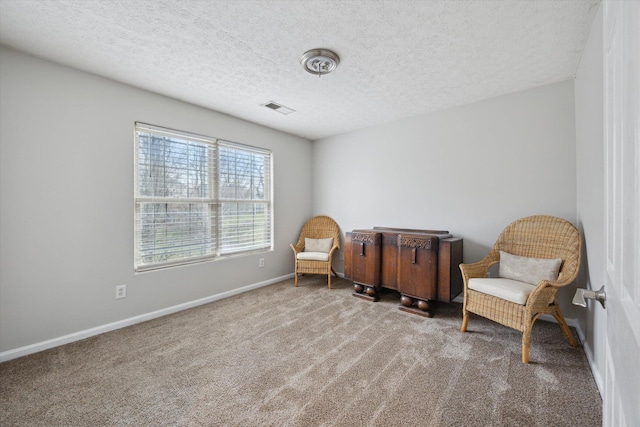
(121, 291)
(261, 262)
(341, 256)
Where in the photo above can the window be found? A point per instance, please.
(198, 198)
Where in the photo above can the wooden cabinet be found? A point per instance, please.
(449, 274)
(389, 260)
(422, 265)
(362, 259)
(418, 266)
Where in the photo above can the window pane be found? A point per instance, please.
(244, 226)
(243, 174)
(169, 232)
(172, 167)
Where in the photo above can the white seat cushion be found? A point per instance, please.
(508, 289)
(313, 256)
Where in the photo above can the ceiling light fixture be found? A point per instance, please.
(319, 61)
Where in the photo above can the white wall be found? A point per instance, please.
(590, 189)
(66, 197)
(470, 170)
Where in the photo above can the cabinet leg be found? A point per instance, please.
(406, 301)
(424, 305)
(369, 293)
(416, 306)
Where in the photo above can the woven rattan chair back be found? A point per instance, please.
(542, 236)
(320, 227)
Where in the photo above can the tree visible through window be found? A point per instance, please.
(198, 198)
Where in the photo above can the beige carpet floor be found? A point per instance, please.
(306, 356)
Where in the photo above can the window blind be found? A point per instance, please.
(244, 188)
(198, 198)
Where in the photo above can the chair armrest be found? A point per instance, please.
(296, 248)
(553, 284)
(476, 269)
(544, 293)
(558, 283)
(540, 298)
(332, 250)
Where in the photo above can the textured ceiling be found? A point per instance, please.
(398, 58)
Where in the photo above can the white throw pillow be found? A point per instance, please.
(528, 270)
(318, 245)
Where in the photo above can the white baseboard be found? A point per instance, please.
(77, 336)
(588, 351)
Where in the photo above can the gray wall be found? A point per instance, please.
(470, 170)
(66, 197)
(590, 190)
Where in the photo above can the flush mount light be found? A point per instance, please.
(319, 61)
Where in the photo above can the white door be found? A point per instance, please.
(621, 405)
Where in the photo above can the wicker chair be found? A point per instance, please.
(532, 237)
(319, 227)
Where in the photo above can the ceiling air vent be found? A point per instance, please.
(279, 108)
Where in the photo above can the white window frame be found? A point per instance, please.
(208, 236)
